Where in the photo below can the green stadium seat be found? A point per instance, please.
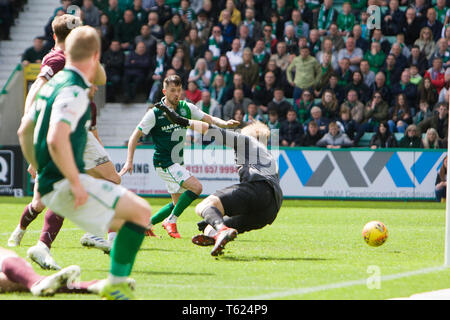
(391, 39)
(365, 139)
(317, 101)
(398, 135)
(290, 100)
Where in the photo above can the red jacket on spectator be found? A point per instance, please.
(437, 78)
(195, 96)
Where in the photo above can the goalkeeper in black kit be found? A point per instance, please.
(249, 205)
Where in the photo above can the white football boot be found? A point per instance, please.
(49, 285)
(40, 254)
(91, 241)
(16, 237)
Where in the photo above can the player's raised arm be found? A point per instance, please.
(230, 124)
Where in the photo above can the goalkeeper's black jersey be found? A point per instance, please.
(254, 161)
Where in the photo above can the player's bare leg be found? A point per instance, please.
(105, 171)
(182, 201)
(211, 209)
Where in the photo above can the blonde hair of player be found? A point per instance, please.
(257, 130)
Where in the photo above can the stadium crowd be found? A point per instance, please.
(313, 69)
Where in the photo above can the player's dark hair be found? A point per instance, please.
(174, 79)
(62, 25)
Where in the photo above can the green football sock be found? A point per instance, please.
(126, 245)
(183, 202)
(162, 213)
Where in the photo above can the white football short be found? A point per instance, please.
(94, 153)
(174, 176)
(96, 214)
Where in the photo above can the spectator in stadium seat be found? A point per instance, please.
(383, 138)
(360, 42)
(427, 92)
(236, 17)
(351, 52)
(228, 28)
(155, 29)
(177, 27)
(411, 139)
(393, 20)
(217, 44)
(438, 121)
(423, 113)
(412, 26)
(238, 115)
(163, 10)
(345, 122)
(436, 74)
(442, 52)
(441, 182)
(312, 135)
(306, 12)
(334, 85)
(201, 75)
(248, 69)
(235, 54)
(405, 87)
(281, 56)
(192, 92)
(400, 59)
(314, 42)
(391, 70)
(441, 11)
(307, 72)
(368, 75)
(237, 102)
(432, 140)
(264, 92)
(322, 122)
(159, 65)
(238, 82)
(194, 46)
(113, 60)
(291, 40)
(327, 72)
(182, 53)
(35, 53)
(140, 14)
(330, 105)
(346, 20)
(334, 139)
(291, 131)
(375, 57)
(400, 114)
(136, 70)
(279, 104)
(254, 26)
(327, 16)
(218, 89)
(106, 29)
(127, 30)
(177, 65)
(91, 14)
(434, 24)
(359, 86)
(245, 40)
(210, 105)
(301, 28)
(253, 114)
(425, 42)
(260, 55)
(146, 37)
(327, 47)
(418, 58)
(337, 40)
(355, 106)
(421, 7)
(344, 73)
(113, 12)
(376, 110)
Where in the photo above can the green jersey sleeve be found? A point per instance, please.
(69, 106)
(147, 122)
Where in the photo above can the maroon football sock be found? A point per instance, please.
(52, 225)
(20, 271)
(28, 215)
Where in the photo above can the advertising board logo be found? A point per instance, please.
(353, 174)
(6, 168)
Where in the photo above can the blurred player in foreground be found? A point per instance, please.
(97, 162)
(249, 205)
(53, 138)
(17, 275)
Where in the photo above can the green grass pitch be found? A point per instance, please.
(311, 249)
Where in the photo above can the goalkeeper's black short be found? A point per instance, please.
(248, 205)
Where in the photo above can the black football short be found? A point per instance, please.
(248, 205)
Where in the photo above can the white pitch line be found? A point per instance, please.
(338, 285)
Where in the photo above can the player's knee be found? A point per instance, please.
(37, 205)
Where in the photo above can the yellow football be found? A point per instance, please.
(375, 233)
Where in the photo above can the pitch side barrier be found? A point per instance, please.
(305, 173)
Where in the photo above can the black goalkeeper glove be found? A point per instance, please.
(172, 115)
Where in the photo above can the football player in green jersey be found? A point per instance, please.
(169, 140)
(53, 138)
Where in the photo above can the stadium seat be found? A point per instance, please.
(365, 139)
(391, 39)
